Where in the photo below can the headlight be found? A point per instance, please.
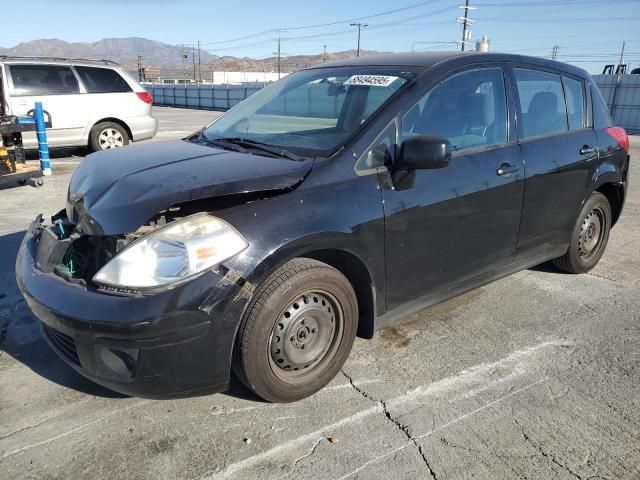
(172, 253)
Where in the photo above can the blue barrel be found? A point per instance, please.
(43, 145)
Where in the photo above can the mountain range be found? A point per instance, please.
(167, 58)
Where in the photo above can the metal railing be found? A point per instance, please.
(203, 96)
(622, 94)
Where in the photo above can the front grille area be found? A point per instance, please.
(64, 343)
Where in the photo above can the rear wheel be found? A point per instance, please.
(589, 237)
(298, 332)
(107, 135)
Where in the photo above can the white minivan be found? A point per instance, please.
(87, 102)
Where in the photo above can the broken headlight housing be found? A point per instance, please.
(172, 253)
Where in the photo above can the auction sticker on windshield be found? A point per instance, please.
(371, 80)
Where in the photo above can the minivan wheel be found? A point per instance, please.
(298, 331)
(107, 135)
(589, 237)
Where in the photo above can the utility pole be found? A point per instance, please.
(621, 62)
(617, 87)
(278, 53)
(360, 27)
(466, 21)
(324, 54)
(199, 63)
(193, 60)
(140, 69)
(554, 52)
(184, 57)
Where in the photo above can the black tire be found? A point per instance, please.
(106, 135)
(589, 236)
(314, 306)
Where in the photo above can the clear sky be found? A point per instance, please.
(589, 33)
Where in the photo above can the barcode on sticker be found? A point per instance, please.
(371, 80)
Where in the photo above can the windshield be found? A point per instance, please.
(311, 112)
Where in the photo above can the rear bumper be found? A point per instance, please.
(166, 345)
(143, 127)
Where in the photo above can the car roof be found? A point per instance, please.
(57, 61)
(430, 59)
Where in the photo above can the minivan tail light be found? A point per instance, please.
(619, 134)
(145, 97)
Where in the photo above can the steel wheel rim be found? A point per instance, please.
(306, 336)
(110, 138)
(591, 234)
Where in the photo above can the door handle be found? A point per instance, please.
(506, 169)
(587, 150)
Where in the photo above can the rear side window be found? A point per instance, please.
(574, 91)
(43, 80)
(468, 109)
(102, 80)
(601, 116)
(541, 103)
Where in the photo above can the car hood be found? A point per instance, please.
(115, 192)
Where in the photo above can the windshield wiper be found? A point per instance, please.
(263, 147)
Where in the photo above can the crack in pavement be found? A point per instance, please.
(22, 429)
(401, 426)
(546, 455)
(306, 455)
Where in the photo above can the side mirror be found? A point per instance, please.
(423, 152)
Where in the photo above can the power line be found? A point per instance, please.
(563, 20)
(337, 22)
(367, 17)
(554, 3)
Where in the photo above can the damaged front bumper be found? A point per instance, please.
(167, 344)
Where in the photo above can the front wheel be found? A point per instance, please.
(298, 331)
(589, 236)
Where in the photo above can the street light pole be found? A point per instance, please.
(360, 27)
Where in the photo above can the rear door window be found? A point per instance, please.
(541, 103)
(102, 80)
(574, 90)
(468, 109)
(31, 80)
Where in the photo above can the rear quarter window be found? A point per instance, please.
(601, 116)
(102, 80)
(43, 80)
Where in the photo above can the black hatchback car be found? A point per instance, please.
(328, 205)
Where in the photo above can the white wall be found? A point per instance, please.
(243, 77)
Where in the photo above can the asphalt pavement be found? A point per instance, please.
(535, 376)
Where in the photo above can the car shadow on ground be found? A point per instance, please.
(57, 152)
(21, 336)
(547, 267)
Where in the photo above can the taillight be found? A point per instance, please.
(619, 134)
(145, 97)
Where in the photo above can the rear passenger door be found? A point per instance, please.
(559, 149)
(57, 87)
(109, 95)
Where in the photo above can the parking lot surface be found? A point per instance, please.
(534, 376)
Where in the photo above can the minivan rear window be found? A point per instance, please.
(43, 80)
(102, 80)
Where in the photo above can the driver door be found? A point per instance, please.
(451, 225)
